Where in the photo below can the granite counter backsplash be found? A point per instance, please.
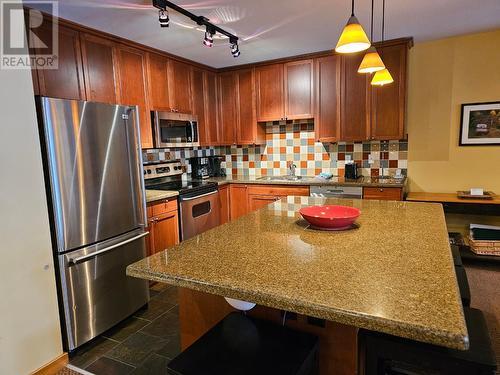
(293, 141)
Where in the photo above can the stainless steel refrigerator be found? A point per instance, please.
(95, 191)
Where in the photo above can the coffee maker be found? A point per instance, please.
(205, 167)
(215, 168)
(351, 171)
(199, 167)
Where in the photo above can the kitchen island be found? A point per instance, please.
(393, 273)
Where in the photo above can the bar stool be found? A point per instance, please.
(463, 285)
(457, 258)
(386, 354)
(242, 345)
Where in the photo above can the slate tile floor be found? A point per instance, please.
(142, 344)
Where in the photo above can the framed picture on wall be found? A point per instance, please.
(480, 124)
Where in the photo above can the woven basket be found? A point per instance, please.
(484, 247)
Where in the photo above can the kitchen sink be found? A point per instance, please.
(283, 178)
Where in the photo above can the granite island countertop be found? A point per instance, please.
(312, 181)
(394, 273)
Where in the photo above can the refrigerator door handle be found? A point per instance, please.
(105, 250)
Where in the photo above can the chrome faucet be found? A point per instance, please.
(292, 169)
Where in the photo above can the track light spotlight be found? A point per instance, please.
(209, 39)
(163, 18)
(235, 51)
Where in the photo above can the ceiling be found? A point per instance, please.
(272, 29)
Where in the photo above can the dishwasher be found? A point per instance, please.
(329, 191)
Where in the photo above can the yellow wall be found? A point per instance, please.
(444, 74)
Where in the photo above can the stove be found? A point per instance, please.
(185, 188)
(199, 205)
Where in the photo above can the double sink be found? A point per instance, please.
(285, 178)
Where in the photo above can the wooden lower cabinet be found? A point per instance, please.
(163, 226)
(238, 200)
(224, 204)
(248, 198)
(388, 194)
(258, 201)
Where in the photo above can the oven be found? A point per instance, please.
(175, 129)
(199, 211)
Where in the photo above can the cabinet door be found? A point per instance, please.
(355, 114)
(179, 78)
(384, 194)
(132, 73)
(270, 92)
(199, 103)
(67, 80)
(327, 118)
(165, 233)
(388, 101)
(238, 200)
(256, 202)
(99, 65)
(211, 109)
(158, 82)
(228, 107)
(224, 204)
(299, 92)
(247, 131)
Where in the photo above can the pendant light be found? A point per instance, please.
(382, 77)
(353, 38)
(371, 61)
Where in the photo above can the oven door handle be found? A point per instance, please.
(199, 196)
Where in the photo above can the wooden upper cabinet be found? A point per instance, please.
(66, 81)
(355, 113)
(270, 92)
(157, 67)
(327, 116)
(212, 133)
(299, 95)
(179, 86)
(197, 88)
(388, 101)
(132, 73)
(248, 131)
(228, 107)
(99, 66)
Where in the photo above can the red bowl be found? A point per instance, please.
(330, 216)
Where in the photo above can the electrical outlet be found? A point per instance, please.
(348, 158)
(370, 159)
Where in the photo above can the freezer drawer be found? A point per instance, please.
(96, 292)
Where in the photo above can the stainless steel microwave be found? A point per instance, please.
(175, 129)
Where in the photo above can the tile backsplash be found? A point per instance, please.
(293, 141)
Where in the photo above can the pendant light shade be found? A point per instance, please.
(371, 62)
(382, 77)
(353, 38)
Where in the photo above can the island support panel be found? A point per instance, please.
(199, 312)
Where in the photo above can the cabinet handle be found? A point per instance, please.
(381, 189)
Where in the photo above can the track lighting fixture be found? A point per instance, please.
(209, 39)
(211, 29)
(235, 51)
(163, 18)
